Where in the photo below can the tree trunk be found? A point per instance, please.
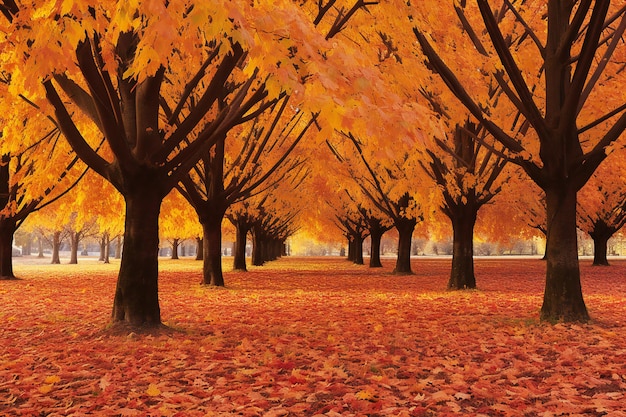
(74, 241)
(358, 249)
(107, 246)
(563, 298)
(136, 296)
(56, 247)
(600, 250)
(257, 248)
(462, 273)
(212, 256)
(601, 234)
(103, 242)
(239, 255)
(405, 229)
(40, 247)
(7, 230)
(376, 236)
(175, 248)
(199, 248)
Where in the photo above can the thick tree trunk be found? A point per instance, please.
(56, 247)
(405, 229)
(212, 256)
(136, 296)
(462, 273)
(376, 236)
(600, 243)
(358, 250)
(7, 230)
(601, 234)
(563, 298)
(74, 241)
(239, 255)
(257, 248)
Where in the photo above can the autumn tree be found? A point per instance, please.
(573, 118)
(242, 219)
(602, 206)
(131, 73)
(388, 186)
(177, 222)
(354, 227)
(35, 170)
(237, 166)
(468, 177)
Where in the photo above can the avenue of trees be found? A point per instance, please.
(353, 116)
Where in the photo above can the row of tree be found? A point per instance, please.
(227, 102)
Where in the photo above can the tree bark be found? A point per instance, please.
(563, 298)
(258, 244)
(601, 234)
(212, 247)
(175, 248)
(107, 248)
(199, 248)
(405, 227)
(376, 235)
(358, 250)
(7, 230)
(239, 255)
(136, 297)
(462, 272)
(56, 247)
(103, 242)
(74, 241)
(600, 244)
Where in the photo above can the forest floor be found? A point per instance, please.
(312, 336)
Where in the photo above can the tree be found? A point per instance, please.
(29, 182)
(388, 188)
(573, 118)
(238, 165)
(602, 206)
(77, 229)
(467, 181)
(241, 218)
(177, 222)
(115, 71)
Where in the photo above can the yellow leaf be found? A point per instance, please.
(153, 390)
(378, 328)
(52, 379)
(366, 395)
(46, 388)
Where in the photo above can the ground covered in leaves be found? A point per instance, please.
(304, 337)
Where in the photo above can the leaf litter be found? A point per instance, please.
(305, 337)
